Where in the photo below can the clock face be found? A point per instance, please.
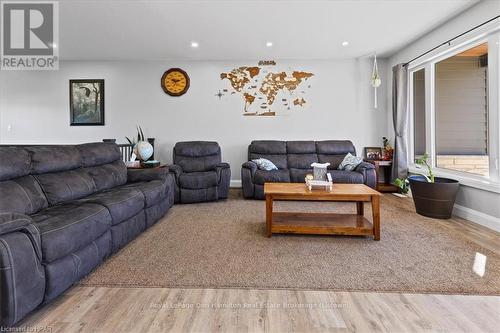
(175, 82)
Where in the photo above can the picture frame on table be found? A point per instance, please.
(373, 153)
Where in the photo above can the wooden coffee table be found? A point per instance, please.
(322, 223)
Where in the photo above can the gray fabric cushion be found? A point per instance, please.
(198, 180)
(196, 148)
(98, 153)
(267, 147)
(335, 147)
(153, 191)
(143, 175)
(334, 151)
(124, 232)
(301, 161)
(108, 175)
(199, 195)
(197, 164)
(341, 176)
(334, 160)
(196, 156)
(122, 203)
(62, 273)
(299, 175)
(22, 195)
(274, 176)
(54, 158)
(68, 227)
(66, 185)
(14, 162)
(301, 147)
(155, 213)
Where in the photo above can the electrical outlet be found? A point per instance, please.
(9, 128)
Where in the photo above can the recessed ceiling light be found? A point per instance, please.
(269, 44)
(345, 43)
(194, 44)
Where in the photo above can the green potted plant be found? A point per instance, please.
(403, 185)
(433, 196)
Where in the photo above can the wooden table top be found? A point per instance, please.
(300, 189)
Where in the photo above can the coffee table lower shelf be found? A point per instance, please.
(320, 224)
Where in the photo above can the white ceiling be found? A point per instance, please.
(230, 30)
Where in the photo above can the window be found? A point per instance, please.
(461, 111)
(455, 110)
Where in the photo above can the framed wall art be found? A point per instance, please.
(86, 101)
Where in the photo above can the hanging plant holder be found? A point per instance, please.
(376, 81)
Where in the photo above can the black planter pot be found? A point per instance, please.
(434, 199)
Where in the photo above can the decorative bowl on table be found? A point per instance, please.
(150, 164)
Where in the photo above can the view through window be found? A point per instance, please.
(461, 111)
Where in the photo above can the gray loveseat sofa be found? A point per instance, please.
(293, 160)
(200, 174)
(63, 210)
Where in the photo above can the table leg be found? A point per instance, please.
(269, 215)
(360, 208)
(376, 216)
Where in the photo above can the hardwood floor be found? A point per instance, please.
(100, 309)
(103, 309)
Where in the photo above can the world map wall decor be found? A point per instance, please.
(265, 92)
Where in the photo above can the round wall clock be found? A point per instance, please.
(175, 82)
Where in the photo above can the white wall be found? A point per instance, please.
(339, 106)
(477, 200)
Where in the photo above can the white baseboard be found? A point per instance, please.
(235, 184)
(472, 215)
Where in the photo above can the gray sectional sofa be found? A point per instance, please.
(200, 174)
(63, 210)
(293, 160)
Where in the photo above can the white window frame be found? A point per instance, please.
(492, 36)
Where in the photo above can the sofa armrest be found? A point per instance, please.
(364, 166)
(15, 222)
(11, 222)
(145, 175)
(248, 170)
(368, 172)
(252, 166)
(21, 272)
(223, 171)
(221, 165)
(176, 170)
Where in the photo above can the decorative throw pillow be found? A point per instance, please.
(264, 164)
(350, 162)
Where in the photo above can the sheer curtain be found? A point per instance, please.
(400, 120)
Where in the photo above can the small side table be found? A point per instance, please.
(385, 167)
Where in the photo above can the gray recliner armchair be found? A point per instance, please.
(199, 173)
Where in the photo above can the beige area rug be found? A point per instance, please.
(222, 245)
